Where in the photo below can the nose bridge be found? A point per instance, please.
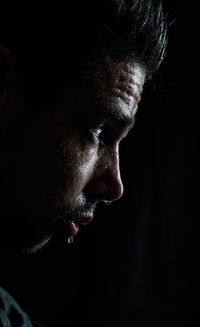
(114, 164)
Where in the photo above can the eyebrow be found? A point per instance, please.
(114, 115)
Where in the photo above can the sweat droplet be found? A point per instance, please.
(70, 240)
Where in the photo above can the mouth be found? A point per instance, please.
(70, 227)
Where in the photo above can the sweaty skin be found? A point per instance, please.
(59, 163)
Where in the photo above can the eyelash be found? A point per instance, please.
(101, 134)
(96, 133)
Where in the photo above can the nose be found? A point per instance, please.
(105, 183)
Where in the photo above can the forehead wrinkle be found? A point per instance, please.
(127, 88)
(120, 83)
(127, 93)
(127, 72)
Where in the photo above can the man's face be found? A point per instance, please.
(58, 163)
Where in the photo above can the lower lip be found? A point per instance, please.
(72, 228)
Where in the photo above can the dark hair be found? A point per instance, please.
(55, 42)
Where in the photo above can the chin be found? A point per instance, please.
(34, 248)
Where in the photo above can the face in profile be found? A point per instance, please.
(61, 160)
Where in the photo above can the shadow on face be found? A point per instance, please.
(60, 158)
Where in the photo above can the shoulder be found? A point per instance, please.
(11, 314)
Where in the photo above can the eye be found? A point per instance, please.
(96, 131)
(103, 135)
(96, 134)
(99, 135)
(92, 134)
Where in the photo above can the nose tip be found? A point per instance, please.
(106, 186)
(106, 189)
(114, 189)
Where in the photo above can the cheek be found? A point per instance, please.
(77, 165)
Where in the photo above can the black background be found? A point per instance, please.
(135, 262)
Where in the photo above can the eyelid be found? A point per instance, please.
(97, 131)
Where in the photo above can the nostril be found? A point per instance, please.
(104, 189)
(108, 203)
(112, 189)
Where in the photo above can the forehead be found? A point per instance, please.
(120, 85)
(113, 85)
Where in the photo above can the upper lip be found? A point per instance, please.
(85, 219)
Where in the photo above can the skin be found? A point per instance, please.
(58, 164)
